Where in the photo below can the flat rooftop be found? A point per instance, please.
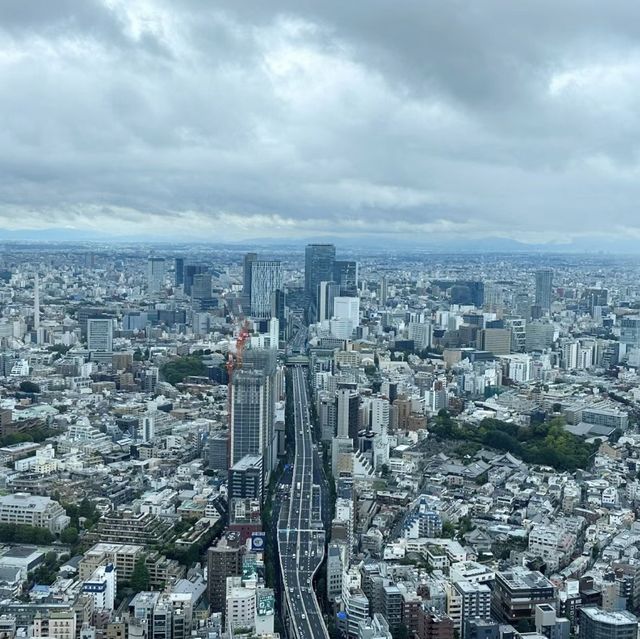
(617, 618)
(523, 579)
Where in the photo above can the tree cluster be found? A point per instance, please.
(25, 534)
(38, 434)
(27, 386)
(179, 369)
(547, 443)
(84, 509)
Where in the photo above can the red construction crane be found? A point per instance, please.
(241, 340)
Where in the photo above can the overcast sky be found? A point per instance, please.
(230, 120)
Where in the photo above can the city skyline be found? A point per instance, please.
(318, 443)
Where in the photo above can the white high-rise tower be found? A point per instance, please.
(36, 302)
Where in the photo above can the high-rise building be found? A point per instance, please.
(148, 430)
(279, 311)
(156, 267)
(475, 601)
(100, 335)
(420, 333)
(630, 331)
(179, 274)
(36, 302)
(247, 263)
(384, 290)
(336, 563)
(253, 400)
(595, 297)
(493, 296)
(467, 293)
(249, 413)
(327, 292)
(380, 408)
(596, 623)
(544, 287)
(345, 274)
(318, 267)
(539, 335)
(348, 404)
(495, 340)
(347, 308)
(223, 560)
(245, 478)
(190, 271)
(266, 279)
(201, 287)
(218, 450)
(392, 606)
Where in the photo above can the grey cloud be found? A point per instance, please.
(500, 118)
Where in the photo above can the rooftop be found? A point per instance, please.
(617, 618)
(521, 579)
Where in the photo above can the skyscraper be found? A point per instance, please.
(266, 279)
(36, 302)
(347, 308)
(249, 258)
(544, 284)
(179, 264)
(190, 271)
(201, 287)
(345, 273)
(348, 404)
(253, 396)
(318, 267)
(384, 290)
(630, 331)
(327, 292)
(156, 267)
(100, 335)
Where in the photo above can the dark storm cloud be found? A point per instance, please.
(299, 118)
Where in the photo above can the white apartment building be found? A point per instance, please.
(33, 510)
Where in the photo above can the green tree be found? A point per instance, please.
(29, 387)
(177, 370)
(69, 536)
(140, 575)
(86, 508)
